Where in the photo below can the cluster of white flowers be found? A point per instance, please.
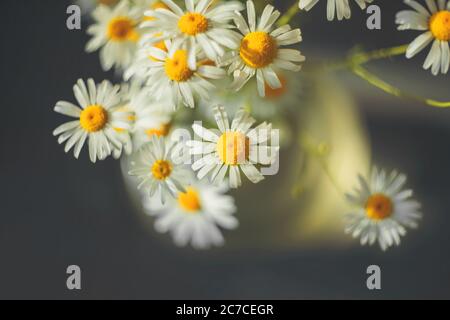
(341, 8)
(181, 53)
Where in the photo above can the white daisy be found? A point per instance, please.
(151, 117)
(271, 106)
(96, 119)
(88, 5)
(140, 67)
(169, 76)
(145, 5)
(383, 210)
(436, 23)
(115, 33)
(235, 148)
(148, 118)
(339, 7)
(202, 25)
(159, 171)
(260, 53)
(195, 216)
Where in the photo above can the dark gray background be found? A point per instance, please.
(55, 211)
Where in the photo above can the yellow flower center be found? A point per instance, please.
(258, 49)
(190, 200)
(161, 169)
(159, 5)
(162, 131)
(107, 2)
(233, 148)
(177, 67)
(156, 5)
(277, 93)
(379, 207)
(122, 29)
(193, 24)
(130, 118)
(93, 118)
(160, 45)
(207, 62)
(440, 25)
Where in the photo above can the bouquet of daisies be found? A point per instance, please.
(195, 76)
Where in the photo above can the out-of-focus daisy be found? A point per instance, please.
(341, 8)
(235, 148)
(435, 22)
(271, 106)
(88, 5)
(145, 5)
(169, 76)
(139, 68)
(202, 25)
(151, 117)
(384, 209)
(260, 50)
(115, 33)
(96, 119)
(195, 216)
(158, 171)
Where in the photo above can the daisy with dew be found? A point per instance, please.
(195, 216)
(158, 170)
(168, 76)
(96, 119)
(115, 33)
(260, 52)
(341, 8)
(434, 21)
(383, 209)
(235, 148)
(203, 25)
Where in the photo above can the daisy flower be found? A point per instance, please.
(89, 5)
(195, 216)
(169, 76)
(259, 52)
(384, 210)
(96, 120)
(202, 25)
(158, 171)
(339, 7)
(270, 106)
(139, 68)
(148, 118)
(151, 117)
(235, 148)
(115, 33)
(435, 22)
(149, 5)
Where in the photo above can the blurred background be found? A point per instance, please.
(55, 211)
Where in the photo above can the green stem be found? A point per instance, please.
(386, 87)
(359, 58)
(365, 57)
(355, 63)
(287, 17)
(320, 152)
